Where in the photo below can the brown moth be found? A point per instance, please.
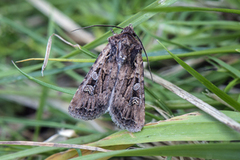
(114, 84)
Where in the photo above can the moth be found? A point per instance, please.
(114, 84)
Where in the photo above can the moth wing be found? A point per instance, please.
(128, 106)
(91, 99)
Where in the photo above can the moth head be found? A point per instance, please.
(129, 30)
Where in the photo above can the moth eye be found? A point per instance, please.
(135, 101)
(89, 89)
(94, 76)
(136, 86)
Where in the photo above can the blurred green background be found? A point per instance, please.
(32, 112)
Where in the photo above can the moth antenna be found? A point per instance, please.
(146, 56)
(98, 25)
(48, 48)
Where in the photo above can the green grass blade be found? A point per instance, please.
(45, 84)
(159, 101)
(40, 110)
(167, 41)
(11, 72)
(220, 50)
(208, 151)
(190, 127)
(205, 82)
(47, 72)
(231, 85)
(190, 9)
(197, 23)
(229, 68)
(43, 123)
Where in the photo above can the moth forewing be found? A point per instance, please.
(127, 110)
(90, 101)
